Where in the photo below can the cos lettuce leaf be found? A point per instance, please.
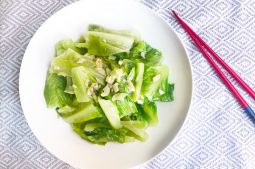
(165, 92)
(128, 33)
(54, 91)
(103, 135)
(146, 54)
(106, 44)
(63, 64)
(84, 112)
(126, 107)
(63, 45)
(149, 111)
(154, 78)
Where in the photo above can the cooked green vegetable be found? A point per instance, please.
(149, 110)
(111, 112)
(84, 112)
(126, 107)
(69, 86)
(54, 91)
(138, 80)
(146, 54)
(98, 28)
(106, 44)
(105, 85)
(155, 80)
(63, 45)
(81, 82)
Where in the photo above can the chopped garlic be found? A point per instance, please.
(119, 74)
(90, 91)
(156, 78)
(109, 79)
(109, 85)
(95, 86)
(130, 86)
(119, 96)
(81, 60)
(120, 62)
(101, 70)
(115, 87)
(99, 63)
(161, 92)
(143, 54)
(106, 91)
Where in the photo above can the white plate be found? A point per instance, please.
(53, 133)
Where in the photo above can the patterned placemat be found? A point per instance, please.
(217, 133)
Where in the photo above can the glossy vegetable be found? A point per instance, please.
(105, 85)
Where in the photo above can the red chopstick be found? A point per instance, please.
(202, 46)
(222, 62)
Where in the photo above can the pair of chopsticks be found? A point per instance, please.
(206, 50)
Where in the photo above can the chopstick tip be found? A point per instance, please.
(175, 14)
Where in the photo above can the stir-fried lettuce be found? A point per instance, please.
(54, 91)
(105, 85)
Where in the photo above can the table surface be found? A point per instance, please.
(217, 133)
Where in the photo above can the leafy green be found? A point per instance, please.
(153, 57)
(149, 110)
(69, 85)
(111, 112)
(104, 135)
(139, 71)
(126, 107)
(63, 64)
(81, 82)
(137, 132)
(106, 83)
(128, 65)
(154, 76)
(135, 123)
(138, 50)
(165, 92)
(146, 54)
(78, 129)
(54, 91)
(97, 131)
(63, 45)
(94, 125)
(106, 44)
(65, 110)
(98, 28)
(83, 112)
